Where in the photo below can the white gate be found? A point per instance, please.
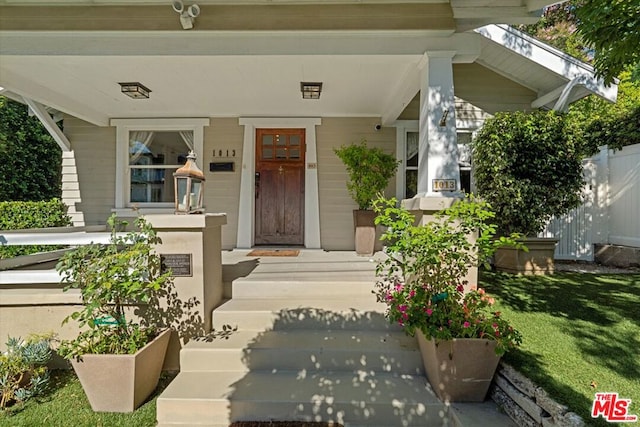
(575, 229)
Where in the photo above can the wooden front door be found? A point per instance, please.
(279, 186)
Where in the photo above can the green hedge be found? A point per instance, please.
(24, 215)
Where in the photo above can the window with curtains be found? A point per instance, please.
(153, 158)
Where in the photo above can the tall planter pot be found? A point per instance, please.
(537, 261)
(460, 370)
(365, 232)
(122, 382)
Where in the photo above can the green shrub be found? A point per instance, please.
(25, 215)
(528, 166)
(370, 170)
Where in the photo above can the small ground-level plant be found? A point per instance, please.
(23, 370)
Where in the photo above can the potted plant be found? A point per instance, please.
(528, 166)
(422, 282)
(117, 359)
(370, 170)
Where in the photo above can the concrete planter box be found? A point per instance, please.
(538, 261)
(365, 237)
(122, 382)
(460, 370)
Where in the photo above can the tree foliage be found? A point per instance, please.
(30, 160)
(612, 27)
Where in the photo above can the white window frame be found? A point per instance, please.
(405, 126)
(123, 170)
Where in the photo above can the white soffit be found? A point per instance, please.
(540, 67)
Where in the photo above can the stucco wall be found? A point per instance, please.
(95, 156)
(336, 206)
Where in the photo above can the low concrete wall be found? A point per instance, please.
(527, 404)
(617, 256)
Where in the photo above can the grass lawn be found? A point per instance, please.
(581, 334)
(66, 405)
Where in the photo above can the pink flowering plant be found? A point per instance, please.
(422, 279)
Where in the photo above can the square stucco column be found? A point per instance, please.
(193, 243)
(437, 148)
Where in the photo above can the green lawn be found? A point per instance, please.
(66, 405)
(581, 334)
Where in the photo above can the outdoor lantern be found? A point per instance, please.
(189, 187)
(135, 90)
(311, 90)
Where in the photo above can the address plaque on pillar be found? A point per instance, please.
(444, 184)
(181, 265)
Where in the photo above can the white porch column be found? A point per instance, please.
(438, 151)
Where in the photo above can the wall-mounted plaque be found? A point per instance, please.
(179, 264)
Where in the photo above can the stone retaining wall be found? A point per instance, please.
(527, 404)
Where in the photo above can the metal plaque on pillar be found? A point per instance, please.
(181, 265)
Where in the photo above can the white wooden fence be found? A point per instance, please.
(610, 213)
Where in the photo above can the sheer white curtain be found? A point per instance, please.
(139, 142)
(187, 137)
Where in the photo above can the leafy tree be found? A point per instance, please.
(30, 160)
(612, 27)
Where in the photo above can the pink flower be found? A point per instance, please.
(460, 288)
(405, 316)
(398, 287)
(481, 291)
(467, 324)
(494, 325)
(450, 321)
(402, 308)
(412, 293)
(497, 333)
(491, 301)
(429, 311)
(389, 296)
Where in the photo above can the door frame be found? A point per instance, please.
(246, 211)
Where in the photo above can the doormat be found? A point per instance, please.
(274, 252)
(282, 424)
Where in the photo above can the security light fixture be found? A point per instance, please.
(187, 14)
(311, 90)
(135, 90)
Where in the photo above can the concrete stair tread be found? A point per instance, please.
(334, 340)
(291, 304)
(292, 386)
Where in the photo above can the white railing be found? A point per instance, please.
(13, 271)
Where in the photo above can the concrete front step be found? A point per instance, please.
(218, 398)
(310, 350)
(304, 285)
(275, 314)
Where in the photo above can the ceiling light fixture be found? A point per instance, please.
(187, 15)
(311, 90)
(135, 90)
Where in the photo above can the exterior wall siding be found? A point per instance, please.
(222, 189)
(94, 148)
(336, 205)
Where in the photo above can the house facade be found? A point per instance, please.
(415, 78)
